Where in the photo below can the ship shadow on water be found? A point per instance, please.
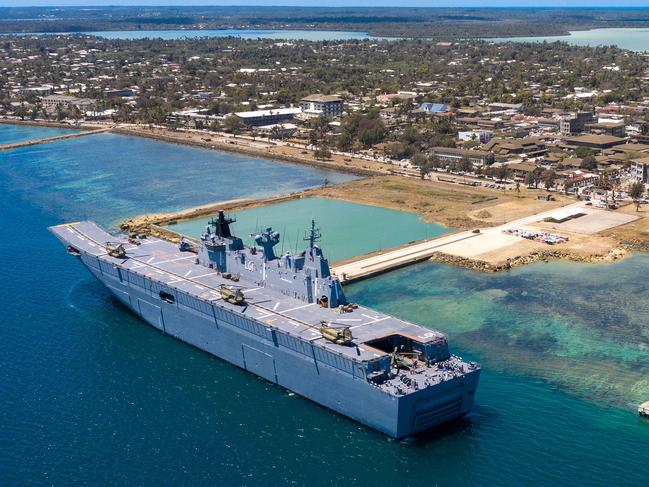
(440, 432)
(463, 425)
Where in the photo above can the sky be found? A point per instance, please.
(339, 3)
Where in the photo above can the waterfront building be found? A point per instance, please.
(52, 102)
(329, 106)
(450, 155)
(258, 118)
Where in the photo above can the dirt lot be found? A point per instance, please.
(453, 205)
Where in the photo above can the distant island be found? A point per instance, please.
(436, 23)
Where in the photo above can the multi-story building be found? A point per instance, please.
(51, 103)
(614, 129)
(267, 117)
(328, 106)
(640, 169)
(576, 123)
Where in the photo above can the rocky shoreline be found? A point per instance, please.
(535, 256)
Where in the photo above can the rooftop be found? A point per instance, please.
(322, 98)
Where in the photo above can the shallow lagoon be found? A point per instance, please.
(107, 177)
(348, 229)
(307, 35)
(582, 327)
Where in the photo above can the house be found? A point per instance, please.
(328, 106)
(433, 107)
(581, 179)
(125, 92)
(505, 107)
(521, 169)
(280, 130)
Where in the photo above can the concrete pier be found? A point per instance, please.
(400, 257)
(27, 143)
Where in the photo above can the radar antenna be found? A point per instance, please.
(312, 235)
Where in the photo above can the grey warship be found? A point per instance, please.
(284, 318)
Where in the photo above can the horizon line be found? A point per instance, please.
(364, 4)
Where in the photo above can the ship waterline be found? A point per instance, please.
(285, 319)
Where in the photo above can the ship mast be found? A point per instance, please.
(312, 235)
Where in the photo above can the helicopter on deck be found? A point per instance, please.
(232, 296)
(117, 251)
(338, 335)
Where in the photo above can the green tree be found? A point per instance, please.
(582, 152)
(465, 164)
(21, 112)
(322, 153)
(636, 191)
(233, 124)
(549, 177)
(502, 172)
(588, 163)
(529, 179)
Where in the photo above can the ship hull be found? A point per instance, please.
(224, 335)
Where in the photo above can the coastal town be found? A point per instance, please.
(539, 136)
(534, 124)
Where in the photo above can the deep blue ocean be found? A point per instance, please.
(92, 395)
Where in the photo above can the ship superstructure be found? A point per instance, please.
(284, 318)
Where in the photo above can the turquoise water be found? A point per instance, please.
(308, 35)
(584, 328)
(91, 395)
(625, 38)
(21, 133)
(107, 176)
(348, 229)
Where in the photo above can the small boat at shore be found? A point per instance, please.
(643, 409)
